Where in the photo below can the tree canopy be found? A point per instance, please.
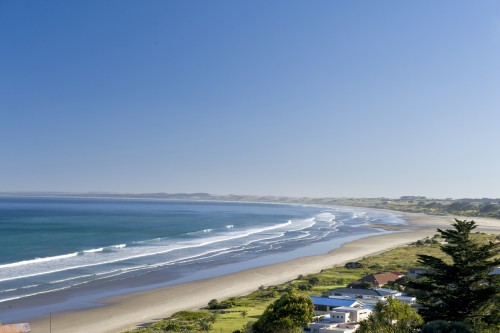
(392, 316)
(286, 314)
(460, 289)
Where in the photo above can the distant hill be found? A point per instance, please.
(484, 207)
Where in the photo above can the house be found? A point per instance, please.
(15, 328)
(410, 300)
(381, 279)
(366, 295)
(323, 305)
(346, 314)
(415, 272)
(324, 327)
(340, 320)
(371, 296)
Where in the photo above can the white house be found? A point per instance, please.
(368, 296)
(323, 305)
(333, 328)
(346, 314)
(340, 320)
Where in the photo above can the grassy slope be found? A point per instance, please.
(398, 259)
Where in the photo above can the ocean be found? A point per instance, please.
(49, 244)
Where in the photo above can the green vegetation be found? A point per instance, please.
(183, 321)
(244, 311)
(392, 316)
(414, 204)
(253, 305)
(461, 288)
(290, 312)
(443, 326)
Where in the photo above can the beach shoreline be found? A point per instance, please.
(119, 313)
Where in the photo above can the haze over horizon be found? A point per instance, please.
(285, 98)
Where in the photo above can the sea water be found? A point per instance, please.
(49, 244)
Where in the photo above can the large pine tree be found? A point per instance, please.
(463, 289)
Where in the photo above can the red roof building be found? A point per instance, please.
(381, 279)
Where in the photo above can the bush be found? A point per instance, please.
(216, 305)
(305, 286)
(353, 264)
(313, 280)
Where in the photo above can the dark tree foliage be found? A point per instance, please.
(442, 326)
(313, 281)
(287, 314)
(463, 289)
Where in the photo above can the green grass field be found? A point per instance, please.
(249, 307)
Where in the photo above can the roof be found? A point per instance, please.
(349, 309)
(333, 301)
(15, 328)
(387, 292)
(357, 291)
(381, 278)
(496, 271)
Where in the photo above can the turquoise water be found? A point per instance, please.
(51, 244)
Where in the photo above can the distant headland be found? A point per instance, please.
(470, 207)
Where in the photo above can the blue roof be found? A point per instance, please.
(332, 301)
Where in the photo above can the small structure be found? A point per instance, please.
(345, 314)
(415, 272)
(410, 300)
(323, 305)
(324, 327)
(381, 279)
(340, 320)
(371, 296)
(366, 295)
(15, 328)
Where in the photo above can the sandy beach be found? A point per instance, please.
(128, 311)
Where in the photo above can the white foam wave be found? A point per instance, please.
(325, 216)
(229, 226)
(60, 257)
(94, 250)
(39, 260)
(70, 279)
(35, 269)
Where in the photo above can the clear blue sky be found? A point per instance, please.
(299, 98)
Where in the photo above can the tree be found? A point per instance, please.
(462, 289)
(392, 316)
(313, 280)
(442, 326)
(305, 286)
(287, 314)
